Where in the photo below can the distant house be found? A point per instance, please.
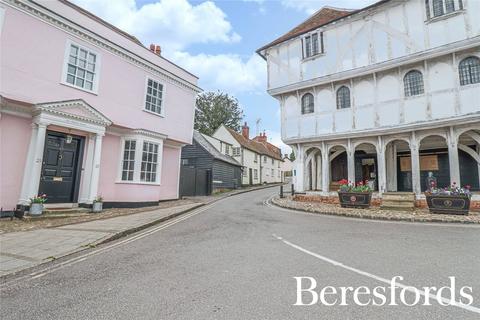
(260, 159)
(286, 167)
(205, 169)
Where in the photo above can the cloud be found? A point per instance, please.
(174, 24)
(311, 6)
(226, 72)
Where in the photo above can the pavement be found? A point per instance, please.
(237, 258)
(26, 249)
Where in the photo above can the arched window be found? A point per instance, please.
(413, 83)
(307, 103)
(343, 98)
(469, 71)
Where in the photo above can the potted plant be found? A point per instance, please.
(36, 205)
(354, 195)
(97, 205)
(449, 200)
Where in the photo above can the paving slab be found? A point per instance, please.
(21, 250)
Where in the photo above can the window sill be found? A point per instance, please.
(445, 16)
(138, 182)
(318, 55)
(95, 92)
(161, 115)
(421, 95)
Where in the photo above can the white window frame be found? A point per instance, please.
(98, 67)
(255, 174)
(456, 8)
(164, 92)
(227, 149)
(320, 41)
(140, 139)
(237, 151)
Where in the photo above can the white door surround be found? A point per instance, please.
(72, 115)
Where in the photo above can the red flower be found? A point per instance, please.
(467, 187)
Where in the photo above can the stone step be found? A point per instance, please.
(52, 211)
(398, 197)
(400, 204)
(397, 208)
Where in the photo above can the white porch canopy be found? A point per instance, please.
(71, 114)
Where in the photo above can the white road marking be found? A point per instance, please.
(268, 203)
(372, 276)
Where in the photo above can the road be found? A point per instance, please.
(237, 259)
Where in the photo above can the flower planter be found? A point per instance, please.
(97, 207)
(354, 199)
(36, 209)
(448, 204)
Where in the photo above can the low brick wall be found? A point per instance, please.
(376, 202)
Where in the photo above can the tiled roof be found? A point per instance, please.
(255, 146)
(322, 17)
(197, 136)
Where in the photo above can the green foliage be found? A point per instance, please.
(292, 156)
(214, 109)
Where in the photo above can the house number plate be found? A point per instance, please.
(57, 179)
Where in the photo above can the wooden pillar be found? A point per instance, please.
(351, 161)
(325, 168)
(382, 174)
(415, 158)
(453, 159)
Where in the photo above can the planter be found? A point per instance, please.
(354, 199)
(448, 204)
(36, 209)
(97, 207)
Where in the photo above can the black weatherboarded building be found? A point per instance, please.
(205, 169)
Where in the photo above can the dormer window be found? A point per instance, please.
(438, 8)
(313, 44)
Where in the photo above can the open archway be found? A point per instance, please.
(434, 161)
(469, 158)
(338, 165)
(313, 167)
(398, 162)
(366, 164)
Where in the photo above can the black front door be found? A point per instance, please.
(250, 177)
(60, 169)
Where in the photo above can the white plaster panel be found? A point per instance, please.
(291, 125)
(388, 114)
(415, 109)
(441, 76)
(364, 92)
(325, 122)
(294, 52)
(291, 106)
(343, 120)
(455, 28)
(365, 118)
(443, 105)
(388, 88)
(324, 101)
(437, 33)
(307, 126)
(470, 99)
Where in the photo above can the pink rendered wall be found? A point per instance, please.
(131, 192)
(32, 58)
(15, 135)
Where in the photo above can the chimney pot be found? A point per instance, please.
(246, 131)
(156, 49)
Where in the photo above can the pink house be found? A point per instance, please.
(87, 110)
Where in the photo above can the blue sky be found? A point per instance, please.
(216, 40)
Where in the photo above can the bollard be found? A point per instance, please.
(293, 190)
(281, 191)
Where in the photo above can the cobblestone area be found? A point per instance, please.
(419, 215)
(56, 220)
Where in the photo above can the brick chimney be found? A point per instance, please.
(156, 49)
(262, 137)
(246, 131)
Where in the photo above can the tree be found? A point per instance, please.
(292, 156)
(214, 109)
